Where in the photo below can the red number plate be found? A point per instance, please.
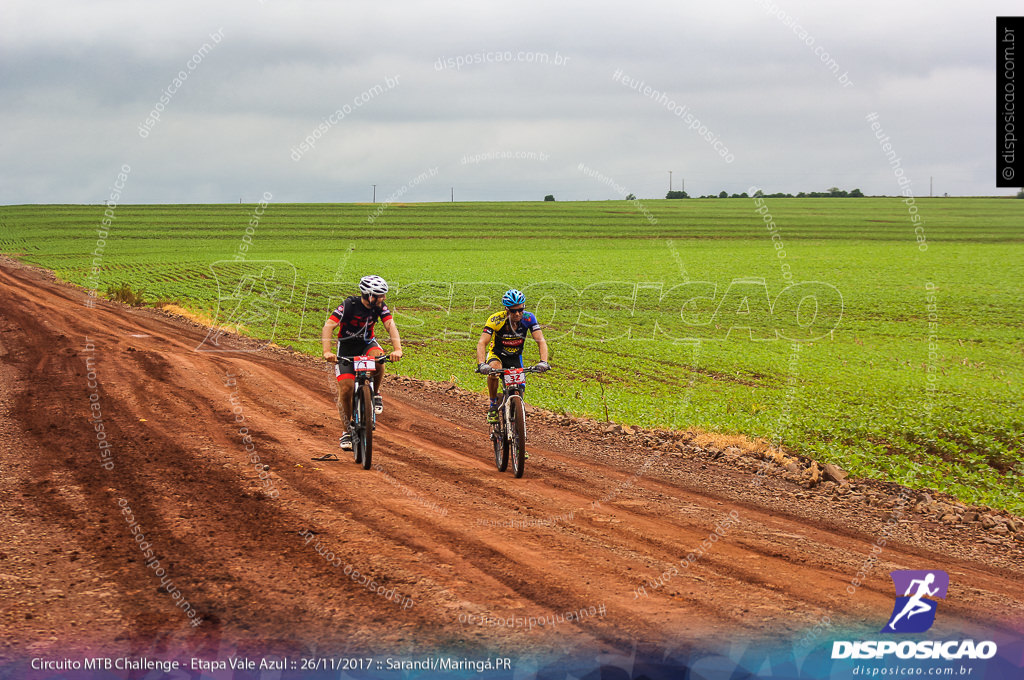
(515, 376)
(364, 363)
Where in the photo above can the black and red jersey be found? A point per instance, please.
(356, 321)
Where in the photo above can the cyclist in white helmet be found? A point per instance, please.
(354, 320)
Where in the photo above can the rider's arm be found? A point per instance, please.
(542, 344)
(325, 337)
(481, 347)
(396, 341)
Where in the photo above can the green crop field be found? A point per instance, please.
(828, 326)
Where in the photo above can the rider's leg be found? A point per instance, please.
(378, 374)
(492, 388)
(492, 380)
(345, 386)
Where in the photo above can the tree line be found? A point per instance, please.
(832, 192)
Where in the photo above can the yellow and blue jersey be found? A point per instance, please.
(508, 338)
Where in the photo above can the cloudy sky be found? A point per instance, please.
(776, 94)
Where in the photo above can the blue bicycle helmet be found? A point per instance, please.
(513, 297)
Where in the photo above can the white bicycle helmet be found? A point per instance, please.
(373, 285)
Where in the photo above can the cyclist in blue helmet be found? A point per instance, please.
(502, 341)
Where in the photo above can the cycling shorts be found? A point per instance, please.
(349, 349)
(514, 361)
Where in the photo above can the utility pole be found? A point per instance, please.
(930, 184)
(374, 193)
(670, 180)
(683, 181)
(453, 194)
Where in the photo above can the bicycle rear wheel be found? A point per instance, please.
(366, 425)
(518, 431)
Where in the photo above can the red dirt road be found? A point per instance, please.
(449, 538)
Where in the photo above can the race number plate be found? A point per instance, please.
(515, 376)
(365, 363)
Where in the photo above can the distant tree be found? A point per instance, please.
(723, 194)
(801, 195)
(549, 197)
(758, 194)
(1020, 194)
(677, 194)
(856, 193)
(631, 197)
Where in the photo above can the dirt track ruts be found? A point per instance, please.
(435, 522)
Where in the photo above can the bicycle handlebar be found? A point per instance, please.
(526, 369)
(380, 359)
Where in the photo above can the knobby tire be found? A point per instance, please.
(366, 425)
(357, 419)
(518, 427)
(500, 442)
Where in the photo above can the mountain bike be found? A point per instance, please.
(508, 435)
(364, 420)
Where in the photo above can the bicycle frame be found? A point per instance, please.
(514, 378)
(508, 435)
(363, 419)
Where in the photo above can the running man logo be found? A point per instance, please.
(912, 613)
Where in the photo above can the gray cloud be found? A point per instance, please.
(77, 80)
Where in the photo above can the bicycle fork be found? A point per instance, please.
(509, 420)
(356, 391)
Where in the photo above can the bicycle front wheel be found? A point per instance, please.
(358, 415)
(366, 425)
(518, 431)
(500, 443)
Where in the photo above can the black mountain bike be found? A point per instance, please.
(508, 435)
(364, 420)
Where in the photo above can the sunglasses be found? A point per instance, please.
(517, 310)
